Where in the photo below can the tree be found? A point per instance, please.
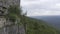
(36, 28)
(24, 22)
(15, 14)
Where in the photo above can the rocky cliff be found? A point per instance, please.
(6, 27)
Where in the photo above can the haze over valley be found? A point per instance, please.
(52, 20)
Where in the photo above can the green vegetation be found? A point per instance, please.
(31, 26)
(35, 26)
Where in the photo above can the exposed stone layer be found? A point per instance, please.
(5, 25)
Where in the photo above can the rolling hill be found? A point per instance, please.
(52, 20)
(35, 26)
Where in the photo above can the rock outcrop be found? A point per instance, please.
(5, 25)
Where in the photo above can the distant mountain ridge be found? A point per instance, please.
(35, 26)
(52, 20)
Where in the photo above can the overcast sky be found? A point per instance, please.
(41, 7)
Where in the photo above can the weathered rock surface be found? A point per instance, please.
(12, 30)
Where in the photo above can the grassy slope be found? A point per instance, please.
(35, 26)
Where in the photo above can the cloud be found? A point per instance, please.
(30, 0)
(41, 7)
(42, 12)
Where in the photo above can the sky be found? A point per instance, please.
(41, 7)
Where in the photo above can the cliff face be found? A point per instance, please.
(6, 27)
(9, 2)
(12, 30)
(4, 4)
